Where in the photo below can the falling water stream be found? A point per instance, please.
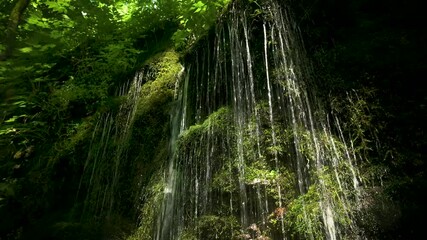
(253, 149)
(106, 162)
(252, 155)
(255, 156)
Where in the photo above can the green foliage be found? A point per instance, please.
(195, 18)
(303, 217)
(357, 110)
(224, 180)
(327, 198)
(257, 173)
(212, 227)
(71, 142)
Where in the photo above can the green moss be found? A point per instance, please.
(76, 100)
(77, 134)
(218, 121)
(152, 124)
(152, 199)
(160, 91)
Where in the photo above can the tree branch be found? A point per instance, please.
(12, 29)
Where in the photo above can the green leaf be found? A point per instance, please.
(7, 131)
(19, 103)
(199, 4)
(26, 49)
(14, 118)
(58, 6)
(47, 47)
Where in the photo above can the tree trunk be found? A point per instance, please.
(12, 29)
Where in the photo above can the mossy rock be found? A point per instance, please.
(217, 123)
(166, 69)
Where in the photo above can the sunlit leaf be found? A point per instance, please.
(19, 103)
(14, 118)
(58, 6)
(26, 49)
(199, 4)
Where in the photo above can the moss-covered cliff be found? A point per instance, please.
(74, 167)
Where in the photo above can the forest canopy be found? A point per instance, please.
(83, 47)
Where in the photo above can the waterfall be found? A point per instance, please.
(255, 155)
(107, 155)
